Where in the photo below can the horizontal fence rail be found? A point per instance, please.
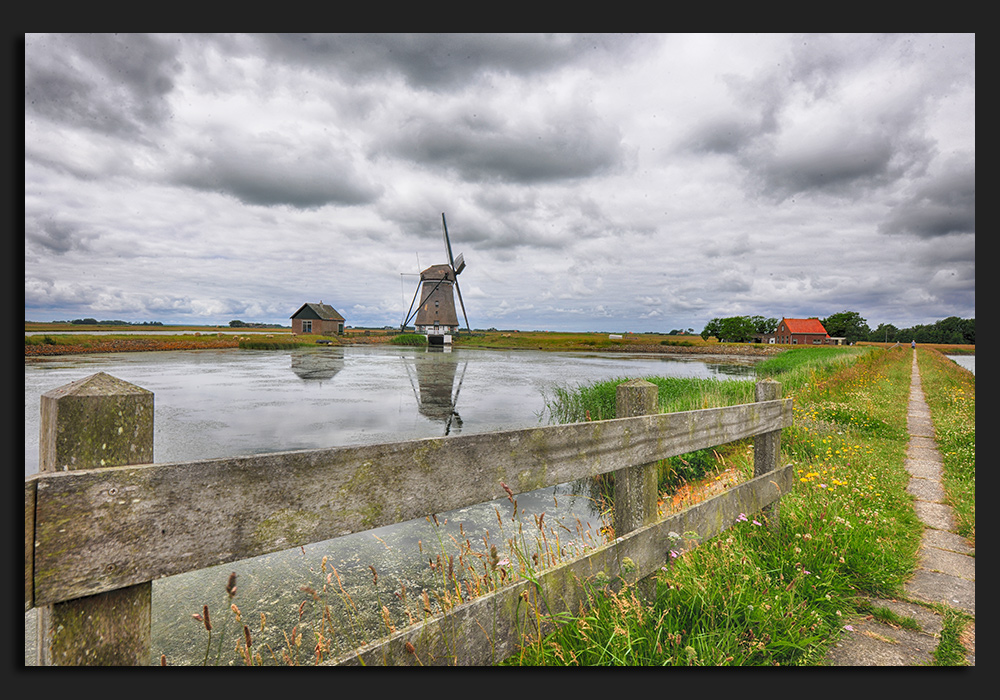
(95, 530)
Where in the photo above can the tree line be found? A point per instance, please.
(849, 325)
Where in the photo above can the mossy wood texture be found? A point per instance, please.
(766, 446)
(138, 523)
(635, 486)
(99, 421)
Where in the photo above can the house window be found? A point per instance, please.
(307, 326)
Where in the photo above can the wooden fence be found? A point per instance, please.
(102, 520)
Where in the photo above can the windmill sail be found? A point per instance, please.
(456, 269)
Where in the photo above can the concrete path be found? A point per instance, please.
(945, 574)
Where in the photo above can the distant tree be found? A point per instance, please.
(236, 323)
(733, 329)
(847, 324)
(711, 329)
(739, 329)
(969, 330)
(952, 330)
(885, 333)
(764, 325)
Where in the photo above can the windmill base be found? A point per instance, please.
(438, 339)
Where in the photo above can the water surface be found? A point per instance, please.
(967, 361)
(229, 402)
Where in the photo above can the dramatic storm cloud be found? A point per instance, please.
(592, 182)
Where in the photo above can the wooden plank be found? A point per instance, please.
(489, 629)
(102, 529)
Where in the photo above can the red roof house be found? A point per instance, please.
(801, 331)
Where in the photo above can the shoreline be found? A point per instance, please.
(225, 341)
(156, 344)
(128, 345)
(715, 349)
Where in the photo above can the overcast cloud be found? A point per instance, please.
(608, 182)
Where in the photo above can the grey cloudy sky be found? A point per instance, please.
(592, 182)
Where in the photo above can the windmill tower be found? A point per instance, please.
(436, 315)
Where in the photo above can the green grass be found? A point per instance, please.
(415, 339)
(567, 341)
(798, 367)
(778, 593)
(596, 401)
(950, 650)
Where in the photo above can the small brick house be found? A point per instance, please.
(317, 319)
(801, 331)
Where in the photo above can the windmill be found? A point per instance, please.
(435, 315)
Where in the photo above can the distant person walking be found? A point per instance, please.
(913, 344)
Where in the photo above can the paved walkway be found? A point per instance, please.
(946, 571)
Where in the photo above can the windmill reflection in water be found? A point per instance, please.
(432, 376)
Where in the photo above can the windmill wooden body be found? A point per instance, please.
(436, 315)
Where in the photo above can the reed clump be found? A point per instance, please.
(409, 339)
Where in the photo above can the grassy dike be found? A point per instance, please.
(951, 396)
(778, 593)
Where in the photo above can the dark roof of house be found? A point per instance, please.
(323, 312)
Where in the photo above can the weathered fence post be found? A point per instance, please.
(767, 446)
(98, 421)
(635, 487)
